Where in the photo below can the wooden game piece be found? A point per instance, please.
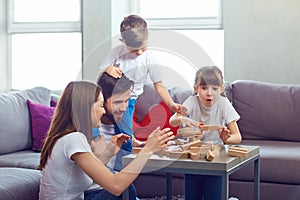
(136, 150)
(196, 143)
(209, 127)
(193, 155)
(180, 141)
(204, 149)
(187, 132)
(237, 151)
(177, 154)
(195, 149)
(184, 130)
(238, 148)
(197, 137)
(209, 155)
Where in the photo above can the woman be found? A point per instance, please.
(71, 161)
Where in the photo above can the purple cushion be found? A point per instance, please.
(53, 103)
(268, 111)
(41, 116)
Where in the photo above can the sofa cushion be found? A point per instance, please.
(15, 131)
(22, 159)
(18, 183)
(268, 111)
(40, 116)
(279, 162)
(180, 94)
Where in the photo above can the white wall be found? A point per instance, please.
(262, 40)
(101, 20)
(3, 49)
(96, 21)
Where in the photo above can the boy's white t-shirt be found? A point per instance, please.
(62, 178)
(136, 68)
(220, 114)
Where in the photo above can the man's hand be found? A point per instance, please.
(118, 140)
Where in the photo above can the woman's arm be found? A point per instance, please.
(105, 151)
(117, 183)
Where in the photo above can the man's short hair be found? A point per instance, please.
(111, 85)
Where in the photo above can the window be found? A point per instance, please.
(178, 14)
(194, 21)
(45, 43)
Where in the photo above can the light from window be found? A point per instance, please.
(45, 59)
(178, 8)
(46, 10)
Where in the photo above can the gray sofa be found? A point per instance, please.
(270, 118)
(19, 178)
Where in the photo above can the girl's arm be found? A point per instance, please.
(231, 134)
(117, 183)
(176, 119)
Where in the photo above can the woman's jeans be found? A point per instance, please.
(101, 194)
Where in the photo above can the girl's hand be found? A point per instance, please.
(114, 71)
(224, 133)
(188, 122)
(158, 140)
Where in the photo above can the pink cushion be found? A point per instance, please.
(41, 116)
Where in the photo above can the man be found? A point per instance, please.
(116, 93)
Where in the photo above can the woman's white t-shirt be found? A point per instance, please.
(220, 114)
(62, 178)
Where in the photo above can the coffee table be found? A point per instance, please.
(222, 165)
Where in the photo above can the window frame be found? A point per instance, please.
(40, 27)
(36, 27)
(188, 23)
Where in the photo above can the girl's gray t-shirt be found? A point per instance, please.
(220, 114)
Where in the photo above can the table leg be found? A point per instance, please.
(225, 186)
(169, 186)
(257, 179)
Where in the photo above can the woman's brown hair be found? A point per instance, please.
(72, 113)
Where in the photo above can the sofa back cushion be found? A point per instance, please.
(15, 129)
(268, 111)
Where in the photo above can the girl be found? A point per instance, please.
(208, 106)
